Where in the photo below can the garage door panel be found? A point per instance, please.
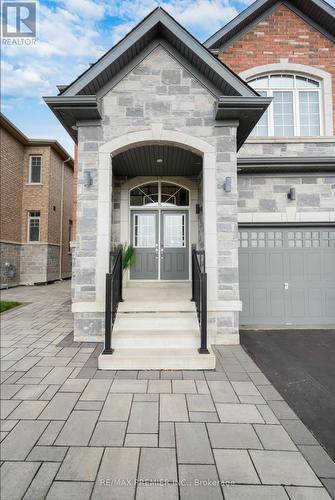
(287, 276)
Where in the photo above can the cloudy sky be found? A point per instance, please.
(74, 33)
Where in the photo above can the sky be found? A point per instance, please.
(74, 33)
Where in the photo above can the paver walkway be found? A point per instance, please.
(70, 431)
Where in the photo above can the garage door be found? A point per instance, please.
(287, 276)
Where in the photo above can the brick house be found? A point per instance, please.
(226, 147)
(36, 208)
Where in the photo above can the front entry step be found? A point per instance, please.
(156, 359)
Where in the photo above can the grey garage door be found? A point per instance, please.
(287, 276)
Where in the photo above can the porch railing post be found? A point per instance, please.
(108, 316)
(192, 271)
(203, 292)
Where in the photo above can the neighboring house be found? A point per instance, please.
(227, 145)
(36, 208)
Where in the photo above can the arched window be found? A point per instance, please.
(295, 109)
(159, 194)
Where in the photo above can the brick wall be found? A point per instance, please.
(281, 35)
(12, 152)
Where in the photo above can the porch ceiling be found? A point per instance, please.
(142, 160)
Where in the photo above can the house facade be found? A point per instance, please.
(226, 146)
(36, 209)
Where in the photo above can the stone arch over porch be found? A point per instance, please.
(151, 136)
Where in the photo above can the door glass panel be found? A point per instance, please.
(144, 195)
(144, 230)
(172, 194)
(174, 230)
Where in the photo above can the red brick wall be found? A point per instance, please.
(12, 152)
(281, 35)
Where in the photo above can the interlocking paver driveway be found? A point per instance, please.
(70, 431)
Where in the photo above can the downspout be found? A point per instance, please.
(61, 220)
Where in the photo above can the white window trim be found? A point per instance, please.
(29, 177)
(325, 78)
(28, 226)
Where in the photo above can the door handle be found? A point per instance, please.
(285, 286)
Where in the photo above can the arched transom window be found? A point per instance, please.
(159, 194)
(295, 109)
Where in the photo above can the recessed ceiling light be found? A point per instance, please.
(159, 160)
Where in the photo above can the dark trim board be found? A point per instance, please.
(284, 224)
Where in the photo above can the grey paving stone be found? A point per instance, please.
(69, 490)
(245, 388)
(126, 374)
(171, 375)
(116, 407)
(299, 432)
(269, 393)
(28, 410)
(330, 485)
(239, 413)
(60, 407)
(87, 372)
(202, 386)
(319, 460)
(222, 391)
(74, 385)
(200, 402)
(282, 410)
(274, 437)
(7, 425)
(213, 375)
(148, 374)
(141, 440)
(159, 386)
(58, 375)
(184, 387)
(51, 432)
(173, 408)
(157, 491)
(38, 371)
(203, 416)
(78, 429)
(55, 362)
(47, 454)
(235, 376)
(42, 481)
(252, 400)
(146, 397)
(234, 436)
(7, 406)
(303, 493)
(199, 482)
(259, 378)
(235, 465)
(31, 391)
(80, 464)
(254, 492)
(9, 390)
(132, 386)
(96, 390)
(283, 467)
(21, 439)
(267, 414)
(89, 405)
(166, 435)
(24, 364)
(108, 434)
(49, 393)
(143, 418)
(15, 479)
(104, 374)
(193, 445)
(117, 463)
(193, 375)
(157, 464)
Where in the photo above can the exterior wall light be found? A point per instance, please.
(198, 209)
(227, 185)
(159, 160)
(88, 181)
(291, 194)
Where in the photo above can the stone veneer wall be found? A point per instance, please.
(159, 92)
(9, 253)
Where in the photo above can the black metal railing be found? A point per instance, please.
(199, 294)
(113, 295)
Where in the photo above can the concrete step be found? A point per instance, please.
(163, 339)
(156, 359)
(155, 321)
(156, 306)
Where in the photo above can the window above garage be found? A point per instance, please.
(296, 106)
